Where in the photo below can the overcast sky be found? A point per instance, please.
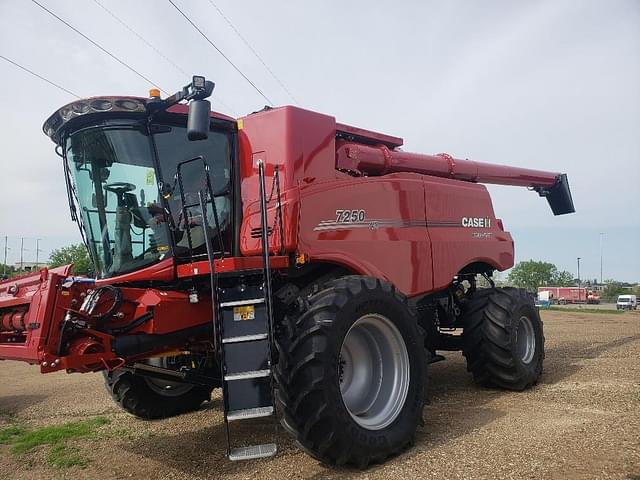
(542, 84)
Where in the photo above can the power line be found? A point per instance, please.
(141, 38)
(39, 76)
(154, 48)
(246, 42)
(220, 52)
(121, 62)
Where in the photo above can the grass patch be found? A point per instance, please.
(8, 433)
(585, 310)
(22, 440)
(63, 456)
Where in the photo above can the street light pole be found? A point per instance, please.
(601, 235)
(579, 295)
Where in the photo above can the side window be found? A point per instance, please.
(174, 148)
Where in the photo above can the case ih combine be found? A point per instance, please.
(309, 269)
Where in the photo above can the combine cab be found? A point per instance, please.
(309, 269)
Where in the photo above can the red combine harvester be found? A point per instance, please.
(309, 269)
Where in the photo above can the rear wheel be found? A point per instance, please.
(503, 339)
(151, 398)
(351, 369)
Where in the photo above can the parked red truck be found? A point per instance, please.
(565, 295)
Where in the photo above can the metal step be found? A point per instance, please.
(253, 452)
(247, 375)
(246, 338)
(248, 413)
(249, 301)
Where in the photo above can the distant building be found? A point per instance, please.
(29, 266)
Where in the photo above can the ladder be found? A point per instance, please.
(243, 333)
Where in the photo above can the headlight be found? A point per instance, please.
(127, 105)
(80, 108)
(101, 105)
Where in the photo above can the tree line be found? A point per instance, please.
(529, 274)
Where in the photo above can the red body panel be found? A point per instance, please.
(412, 231)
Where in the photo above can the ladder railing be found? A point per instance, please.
(268, 293)
(275, 188)
(185, 206)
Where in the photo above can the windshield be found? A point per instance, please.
(115, 186)
(624, 300)
(116, 191)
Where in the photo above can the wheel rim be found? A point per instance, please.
(164, 387)
(525, 340)
(373, 371)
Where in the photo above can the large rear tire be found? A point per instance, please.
(351, 373)
(150, 398)
(503, 339)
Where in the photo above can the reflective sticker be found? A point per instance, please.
(244, 312)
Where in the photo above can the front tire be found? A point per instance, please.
(351, 372)
(503, 339)
(148, 398)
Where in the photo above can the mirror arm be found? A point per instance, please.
(188, 92)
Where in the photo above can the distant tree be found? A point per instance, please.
(7, 271)
(562, 279)
(612, 289)
(76, 254)
(532, 274)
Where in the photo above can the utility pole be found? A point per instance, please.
(579, 295)
(4, 265)
(601, 235)
(37, 251)
(21, 254)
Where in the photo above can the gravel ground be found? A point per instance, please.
(581, 421)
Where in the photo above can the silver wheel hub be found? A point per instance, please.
(525, 340)
(374, 371)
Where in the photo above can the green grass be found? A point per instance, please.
(584, 310)
(62, 456)
(22, 440)
(8, 433)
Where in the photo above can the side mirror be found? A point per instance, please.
(198, 121)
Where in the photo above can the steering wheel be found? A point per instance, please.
(120, 187)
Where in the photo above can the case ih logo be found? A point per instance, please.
(476, 222)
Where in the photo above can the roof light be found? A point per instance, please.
(80, 108)
(101, 105)
(127, 105)
(154, 93)
(198, 81)
(66, 113)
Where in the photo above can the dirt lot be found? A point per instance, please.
(581, 421)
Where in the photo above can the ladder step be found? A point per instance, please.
(253, 451)
(250, 413)
(248, 375)
(249, 301)
(245, 338)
